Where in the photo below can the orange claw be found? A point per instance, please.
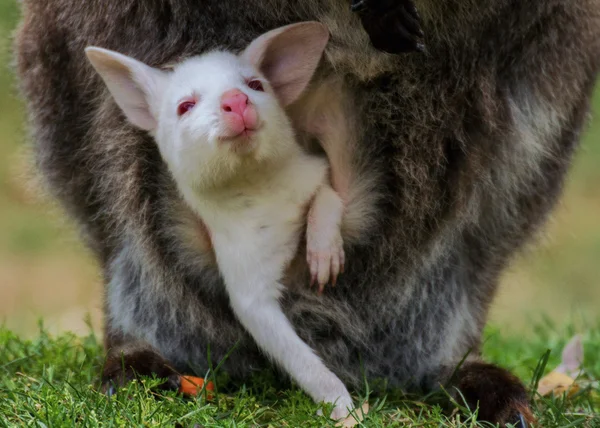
(191, 385)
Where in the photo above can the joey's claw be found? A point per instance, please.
(324, 270)
(326, 265)
(313, 270)
(336, 263)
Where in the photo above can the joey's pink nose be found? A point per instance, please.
(238, 113)
(234, 101)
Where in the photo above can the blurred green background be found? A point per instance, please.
(45, 271)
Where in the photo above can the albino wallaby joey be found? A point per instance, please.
(220, 125)
(452, 160)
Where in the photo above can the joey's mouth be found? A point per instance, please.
(245, 135)
(243, 143)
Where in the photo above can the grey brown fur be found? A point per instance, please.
(468, 144)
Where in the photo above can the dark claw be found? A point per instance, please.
(412, 21)
(358, 6)
(111, 390)
(394, 26)
(412, 9)
(521, 422)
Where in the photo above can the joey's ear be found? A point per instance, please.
(288, 56)
(136, 87)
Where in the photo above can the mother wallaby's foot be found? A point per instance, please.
(500, 396)
(128, 362)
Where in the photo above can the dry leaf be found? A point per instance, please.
(557, 383)
(561, 379)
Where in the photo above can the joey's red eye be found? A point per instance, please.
(256, 85)
(185, 106)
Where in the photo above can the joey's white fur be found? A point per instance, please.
(252, 188)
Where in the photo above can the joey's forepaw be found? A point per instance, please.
(394, 26)
(325, 257)
(342, 406)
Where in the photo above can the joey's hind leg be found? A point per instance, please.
(499, 396)
(325, 246)
(326, 113)
(127, 362)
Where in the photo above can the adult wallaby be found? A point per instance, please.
(454, 159)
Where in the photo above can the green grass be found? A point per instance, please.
(52, 382)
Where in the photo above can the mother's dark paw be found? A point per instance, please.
(394, 26)
(499, 395)
(127, 363)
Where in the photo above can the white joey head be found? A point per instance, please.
(215, 113)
